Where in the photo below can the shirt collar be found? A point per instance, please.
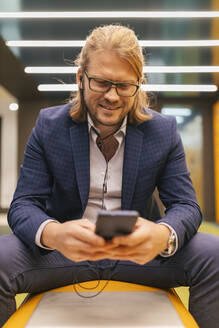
(121, 130)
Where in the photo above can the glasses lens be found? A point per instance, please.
(123, 89)
(126, 89)
(99, 85)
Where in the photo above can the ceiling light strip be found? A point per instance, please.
(178, 43)
(146, 69)
(181, 69)
(145, 87)
(45, 43)
(180, 87)
(112, 14)
(51, 69)
(57, 87)
(143, 43)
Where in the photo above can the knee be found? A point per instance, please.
(9, 246)
(206, 245)
(205, 249)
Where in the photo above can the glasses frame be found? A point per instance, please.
(116, 84)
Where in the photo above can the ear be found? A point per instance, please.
(80, 78)
(141, 80)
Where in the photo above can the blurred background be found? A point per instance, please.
(39, 40)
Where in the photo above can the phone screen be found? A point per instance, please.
(115, 223)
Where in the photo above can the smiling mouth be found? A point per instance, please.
(108, 108)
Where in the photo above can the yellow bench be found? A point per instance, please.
(120, 304)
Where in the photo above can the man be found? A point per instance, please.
(107, 150)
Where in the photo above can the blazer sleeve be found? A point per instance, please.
(28, 208)
(176, 192)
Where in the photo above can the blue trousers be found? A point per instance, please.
(196, 265)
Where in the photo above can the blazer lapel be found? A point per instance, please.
(133, 146)
(81, 156)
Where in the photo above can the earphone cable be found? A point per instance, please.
(95, 269)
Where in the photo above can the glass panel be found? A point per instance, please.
(189, 122)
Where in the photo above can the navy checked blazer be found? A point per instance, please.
(54, 178)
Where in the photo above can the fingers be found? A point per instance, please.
(143, 233)
(138, 255)
(123, 252)
(139, 259)
(86, 254)
(132, 240)
(82, 230)
(83, 256)
(88, 236)
(87, 224)
(77, 241)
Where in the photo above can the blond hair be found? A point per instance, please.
(123, 41)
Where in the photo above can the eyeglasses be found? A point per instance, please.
(123, 89)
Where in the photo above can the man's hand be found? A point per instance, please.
(76, 240)
(142, 245)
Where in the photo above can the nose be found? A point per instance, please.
(111, 95)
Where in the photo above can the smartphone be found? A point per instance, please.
(115, 223)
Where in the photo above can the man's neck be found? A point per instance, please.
(105, 130)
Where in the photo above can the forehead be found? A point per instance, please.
(109, 65)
